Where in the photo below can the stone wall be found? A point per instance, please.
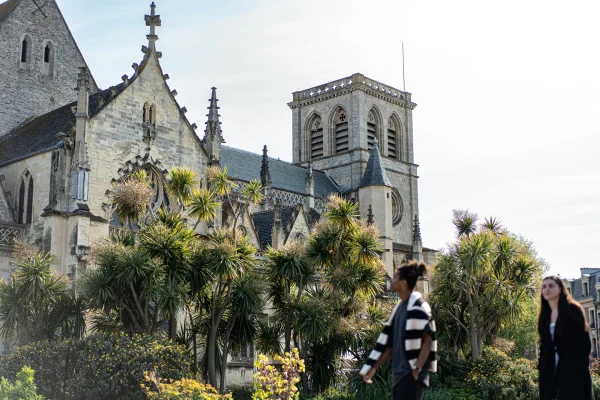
(32, 88)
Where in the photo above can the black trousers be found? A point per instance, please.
(406, 388)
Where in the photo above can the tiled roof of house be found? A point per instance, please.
(40, 134)
(245, 166)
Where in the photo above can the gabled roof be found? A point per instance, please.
(245, 166)
(375, 173)
(7, 7)
(39, 135)
(263, 224)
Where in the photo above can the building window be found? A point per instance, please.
(341, 131)
(299, 238)
(26, 45)
(371, 129)
(48, 64)
(316, 138)
(25, 205)
(592, 321)
(586, 291)
(149, 121)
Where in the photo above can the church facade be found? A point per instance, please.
(61, 149)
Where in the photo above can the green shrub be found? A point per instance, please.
(333, 394)
(497, 376)
(23, 388)
(98, 367)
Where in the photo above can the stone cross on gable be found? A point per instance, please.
(152, 21)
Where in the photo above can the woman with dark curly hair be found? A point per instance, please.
(565, 345)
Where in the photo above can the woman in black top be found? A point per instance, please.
(565, 346)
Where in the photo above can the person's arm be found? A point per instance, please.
(423, 354)
(387, 353)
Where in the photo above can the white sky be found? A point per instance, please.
(507, 93)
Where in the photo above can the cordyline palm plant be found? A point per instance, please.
(203, 205)
(37, 305)
(247, 304)
(328, 323)
(482, 280)
(229, 192)
(181, 183)
(290, 272)
(132, 197)
(227, 260)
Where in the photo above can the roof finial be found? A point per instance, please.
(152, 21)
(416, 231)
(265, 174)
(370, 216)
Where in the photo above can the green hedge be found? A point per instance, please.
(98, 367)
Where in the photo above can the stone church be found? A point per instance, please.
(61, 149)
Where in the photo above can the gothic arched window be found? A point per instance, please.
(316, 137)
(25, 204)
(372, 127)
(342, 140)
(48, 65)
(26, 45)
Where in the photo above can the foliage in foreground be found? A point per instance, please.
(272, 383)
(23, 388)
(182, 389)
(98, 367)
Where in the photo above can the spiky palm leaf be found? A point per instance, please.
(203, 205)
(180, 183)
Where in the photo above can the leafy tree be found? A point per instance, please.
(483, 279)
(23, 388)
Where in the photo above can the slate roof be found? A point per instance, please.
(39, 134)
(263, 224)
(374, 172)
(245, 166)
(7, 7)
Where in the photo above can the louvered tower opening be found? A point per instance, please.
(316, 139)
(341, 132)
(371, 130)
(392, 150)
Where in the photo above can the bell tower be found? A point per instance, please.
(336, 126)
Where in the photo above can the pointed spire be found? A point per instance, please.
(374, 172)
(416, 231)
(265, 174)
(213, 136)
(213, 126)
(152, 21)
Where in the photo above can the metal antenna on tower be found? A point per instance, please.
(403, 76)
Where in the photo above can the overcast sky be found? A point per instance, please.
(507, 93)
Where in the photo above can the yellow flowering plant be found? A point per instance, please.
(278, 382)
